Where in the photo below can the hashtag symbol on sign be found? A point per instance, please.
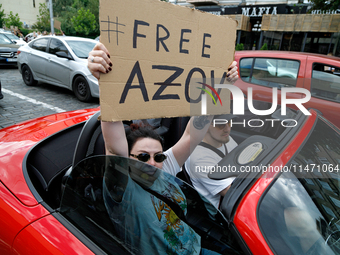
(115, 24)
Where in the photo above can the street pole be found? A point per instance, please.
(51, 17)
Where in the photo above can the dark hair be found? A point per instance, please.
(135, 132)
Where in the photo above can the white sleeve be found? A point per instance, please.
(201, 161)
(231, 144)
(170, 165)
(212, 186)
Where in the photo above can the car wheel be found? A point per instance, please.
(81, 89)
(27, 76)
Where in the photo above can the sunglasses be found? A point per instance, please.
(145, 157)
(221, 126)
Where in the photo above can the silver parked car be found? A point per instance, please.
(61, 61)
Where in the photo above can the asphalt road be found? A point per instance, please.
(22, 102)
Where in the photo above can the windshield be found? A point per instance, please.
(126, 206)
(300, 213)
(11, 36)
(5, 40)
(81, 48)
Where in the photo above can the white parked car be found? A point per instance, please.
(19, 41)
(61, 61)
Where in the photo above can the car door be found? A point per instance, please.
(58, 68)
(37, 59)
(87, 203)
(262, 74)
(323, 81)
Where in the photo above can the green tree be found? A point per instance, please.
(13, 20)
(325, 5)
(66, 10)
(65, 19)
(60, 6)
(2, 16)
(93, 6)
(84, 22)
(43, 18)
(264, 47)
(239, 47)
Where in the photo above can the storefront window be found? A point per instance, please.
(272, 39)
(321, 43)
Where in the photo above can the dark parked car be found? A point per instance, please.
(1, 95)
(56, 183)
(320, 74)
(8, 51)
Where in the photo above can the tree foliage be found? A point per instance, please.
(264, 47)
(84, 22)
(65, 20)
(60, 6)
(43, 18)
(67, 12)
(325, 5)
(2, 16)
(239, 47)
(13, 20)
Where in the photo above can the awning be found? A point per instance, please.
(242, 21)
(301, 22)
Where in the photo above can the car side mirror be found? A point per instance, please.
(63, 54)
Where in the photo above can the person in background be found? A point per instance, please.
(216, 144)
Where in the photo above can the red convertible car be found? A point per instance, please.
(55, 189)
(320, 74)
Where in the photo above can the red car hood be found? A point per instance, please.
(17, 140)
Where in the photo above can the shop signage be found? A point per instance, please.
(325, 12)
(257, 11)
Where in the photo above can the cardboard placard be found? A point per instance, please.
(57, 24)
(157, 48)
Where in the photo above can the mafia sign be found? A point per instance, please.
(256, 11)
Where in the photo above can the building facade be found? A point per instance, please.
(26, 9)
(321, 36)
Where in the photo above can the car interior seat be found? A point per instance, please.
(90, 141)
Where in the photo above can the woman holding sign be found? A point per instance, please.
(146, 145)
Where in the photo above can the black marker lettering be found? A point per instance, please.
(205, 46)
(135, 34)
(135, 71)
(181, 50)
(187, 83)
(167, 82)
(158, 39)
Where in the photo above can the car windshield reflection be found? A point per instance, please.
(127, 205)
(5, 40)
(300, 213)
(81, 48)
